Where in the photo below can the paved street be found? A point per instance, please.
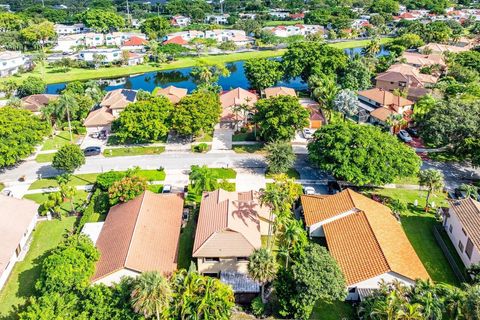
(455, 174)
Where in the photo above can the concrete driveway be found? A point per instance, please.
(222, 139)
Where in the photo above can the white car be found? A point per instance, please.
(167, 188)
(404, 136)
(308, 133)
(308, 190)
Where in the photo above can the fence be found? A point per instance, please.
(458, 272)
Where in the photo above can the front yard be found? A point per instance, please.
(76, 180)
(132, 151)
(249, 148)
(61, 139)
(45, 157)
(46, 236)
(80, 198)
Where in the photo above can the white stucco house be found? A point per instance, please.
(461, 222)
(11, 62)
(217, 18)
(62, 29)
(180, 21)
(365, 239)
(18, 219)
(67, 43)
(110, 55)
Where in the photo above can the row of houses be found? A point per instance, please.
(124, 40)
(239, 37)
(295, 30)
(450, 14)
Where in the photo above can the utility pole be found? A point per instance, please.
(43, 3)
(129, 18)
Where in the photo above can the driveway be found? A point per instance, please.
(222, 139)
(250, 179)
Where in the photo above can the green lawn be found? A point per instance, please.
(77, 180)
(224, 173)
(157, 188)
(132, 151)
(292, 173)
(2, 186)
(247, 136)
(54, 76)
(44, 157)
(40, 198)
(407, 180)
(185, 246)
(205, 137)
(61, 139)
(249, 148)
(418, 226)
(282, 23)
(152, 175)
(333, 310)
(46, 236)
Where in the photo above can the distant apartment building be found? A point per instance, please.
(217, 18)
(295, 30)
(11, 62)
(62, 29)
(68, 43)
(180, 21)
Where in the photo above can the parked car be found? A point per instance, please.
(308, 133)
(308, 190)
(92, 151)
(413, 132)
(167, 188)
(404, 136)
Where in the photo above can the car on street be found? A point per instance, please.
(308, 190)
(404, 136)
(413, 132)
(308, 133)
(167, 188)
(92, 151)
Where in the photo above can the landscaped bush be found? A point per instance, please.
(200, 148)
(258, 307)
(98, 206)
(105, 180)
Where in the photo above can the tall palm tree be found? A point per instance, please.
(471, 191)
(262, 267)
(151, 295)
(63, 109)
(324, 89)
(372, 48)
(292, 238)
(433, 180)
(203, 179)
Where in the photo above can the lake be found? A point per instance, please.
(180, 78)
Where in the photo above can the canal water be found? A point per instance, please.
(180, 78)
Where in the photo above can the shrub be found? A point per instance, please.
(202, 147)
(258, 307)
(105, 180)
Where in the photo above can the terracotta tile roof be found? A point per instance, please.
(141, 235)
(15, 216)
(135, 41)
(228, 224)
(385, 98)
(99, 117)
(441, 48)
(423, 59)
(176, 40)
(119, 99)
(174, 94)
(468, 212)
(235, 97)
(35, 102)
(279, 91)
(366, 240)
(410, 71)
(382, 113)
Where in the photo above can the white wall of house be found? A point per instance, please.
(316, 230)
(373, 283)
(62, 29)
(10, 65)
(225, 264)
(111, 55)
(94, 40)
(459, 238)
(117, 276)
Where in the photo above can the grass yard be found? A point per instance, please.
(247, 136)
(132, 151)
(333, 310)
(2, 186)
(205, 137)
(249, 148)
(418, 226)
(224, 173)
(152, 175)
(44, 157)
(407, 180)
(445, 156)
(61, 139)
(185, 246)
(157, 188)
(76, 180)
(46, 236)
(40, 198)
(292, 173)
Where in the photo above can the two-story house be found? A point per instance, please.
(62, 29)
(11, 62)
(180, 21)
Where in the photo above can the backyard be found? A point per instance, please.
(46, 236)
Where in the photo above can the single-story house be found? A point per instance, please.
(99, 120)
(419, 60)
(135, 58)
(140, 235)
(19, 217)
(172, 93)
(230, 100)
(229, 229)
(35, 102)
(217, 18)
(279, 91)
(108, 55)
(316, 119)
(439, 48)
(365, 239)
(462, 222)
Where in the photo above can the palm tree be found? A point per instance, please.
(471, 191)
(324, 90)
(292, 239)
(63, 107)
(202, 179)
(346, 102)
(67, 191)
(394, 121)
(454, 300)
(410, 312)
(372, 48)
(151, 295)
(262, 268)
(433, 180)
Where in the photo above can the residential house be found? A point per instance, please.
(185, 35)
(135, 43)
(231, 101)
(35, 102)
(297, 16)
(140, 235)
(279, 14)
(135, 58)
(62, 29)
(378, 105)
(11, 62)
(248, 16)
(461, 222)
(126, 40)
(68, 43)
(229, 229)
(108, 55)
(365, 239)
(295, 30)
(98, 120)
(119, 99)
(439, 48)
(172, 93)
(176, 40)
(316, 119)
(217, 18)
(419, 60)
(93, 40)
(402, 76)
(239, 37)
(279, 91)
(19, 217)
(180, 21)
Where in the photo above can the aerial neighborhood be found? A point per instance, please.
(237, 160)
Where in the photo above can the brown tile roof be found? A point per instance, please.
(228, 224)
(442, 48)
(15, 216)
(407, 73)
(423, 59)
(172, 93)
(119, 99)
(235, 97)
(35, 102)
(279, 91)
(141, 235)
(385, 98)
(99, 117)
(367, 242)
(382, 113)
(468, 212)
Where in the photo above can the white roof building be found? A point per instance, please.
(11, 61)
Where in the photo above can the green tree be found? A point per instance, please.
(263, 73)
(423, 106)
(68, 158)
(39, 33)
(206, 75)
(408, 41)
(151, 295)
(203, 179)
(126, 189)
(471, 191)
(156, 27)
(346, 102)
(433, 180)
(144, 121)
(292, 240)
(11, 21)
(52, 305)
(8, 87)
(262, 267)
(357, 76)
(196, 113)
(324, 90)
(472, 305)
(279, 117)
(102, 20)
(280, 157)
(385, 6)
(362, 154)
(31, 85)
(372, 48)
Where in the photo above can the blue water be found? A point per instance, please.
(180, 78)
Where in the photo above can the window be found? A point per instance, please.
(242, 258)
(450, 228)
(211, 259)
(460, 246)
(469, 249)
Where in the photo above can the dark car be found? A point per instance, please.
(92, 151)
(413, 132)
